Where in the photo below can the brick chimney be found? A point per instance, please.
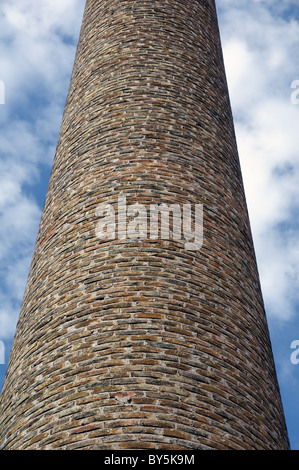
(143, 324)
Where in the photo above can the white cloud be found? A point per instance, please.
(37, 47)
(8, 318)
(259, 51)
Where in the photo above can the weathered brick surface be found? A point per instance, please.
(136, 344)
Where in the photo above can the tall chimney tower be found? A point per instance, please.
(133, 336)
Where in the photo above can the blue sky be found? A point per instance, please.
(260, 43)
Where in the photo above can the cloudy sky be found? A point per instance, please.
(261, 49)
